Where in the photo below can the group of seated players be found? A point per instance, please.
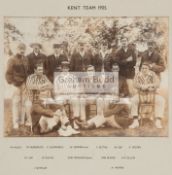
(44, 102)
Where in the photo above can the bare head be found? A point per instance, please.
(39, 70)
(90, 70)
(151, 46)
(124, 42)
(81, 46)
(104, 47)
(21, 48)
(145, 68)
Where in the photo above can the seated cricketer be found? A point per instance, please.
(105, 115)
(89, 97)
(108, 118)
(45, 118)
(147, 82)
(66, 90)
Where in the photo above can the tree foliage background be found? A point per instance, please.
(93, 30)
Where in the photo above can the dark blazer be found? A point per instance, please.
(101, 62)
(33, 60)
(79, 63)
(17, 70)
(53, 62)
(97, 62)
(153, 58)
(127, 69)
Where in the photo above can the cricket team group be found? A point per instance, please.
(33, 76)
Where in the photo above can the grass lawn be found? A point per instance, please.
(146, 130)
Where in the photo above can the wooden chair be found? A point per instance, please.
(91, 110)
(146, 106)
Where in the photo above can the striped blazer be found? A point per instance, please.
(152, 80)
(35, 84)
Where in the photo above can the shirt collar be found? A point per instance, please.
(103, 53)
(125, 49)
(82, 53)
(36, 54)
(150, 53)
(56, 55)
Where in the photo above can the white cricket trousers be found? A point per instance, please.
(159, 106)
(21, 106)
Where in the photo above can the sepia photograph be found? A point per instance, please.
(86, 76)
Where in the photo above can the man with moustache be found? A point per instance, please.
(67, 91)
(16, 74)
(80, 59)
(89, 96)
(147, 82)
(36, 57)
(66, 51)
(55, 60)
(126, 60)
(104, 115)
(102, 60)
(151, 56)
(46, 116)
